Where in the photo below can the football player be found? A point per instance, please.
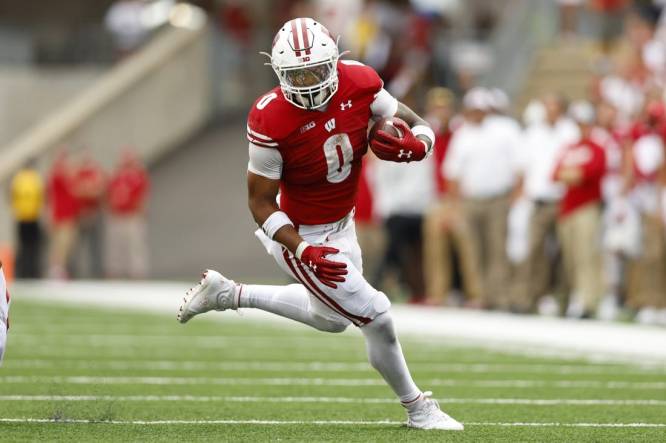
(4, 312)
(306, 141)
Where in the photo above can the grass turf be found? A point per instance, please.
(102, 369)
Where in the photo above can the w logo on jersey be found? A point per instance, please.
(330, 125)
(344, 106)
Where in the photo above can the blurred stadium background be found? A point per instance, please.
(123, 157)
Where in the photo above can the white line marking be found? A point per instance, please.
(287, 381)
(267, 366)
(252, 399)
(322, 422)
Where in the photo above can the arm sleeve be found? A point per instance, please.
(384, 105)
(266, 162)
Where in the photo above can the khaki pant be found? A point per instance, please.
(646, 279)
(580, 234)
(487, 220)
(126, 247)
(444, 230)
(534, 275)
(63, 238)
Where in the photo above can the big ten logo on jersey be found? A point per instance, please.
(307, 127)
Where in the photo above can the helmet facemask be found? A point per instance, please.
(309, 86)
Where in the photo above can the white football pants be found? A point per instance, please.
(353, 302)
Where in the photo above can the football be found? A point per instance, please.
(386, 125)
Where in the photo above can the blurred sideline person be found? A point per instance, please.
(646, 279)
(4, 313)
(125, 246)
(444, 229)
(64, 213)
(90, 183)
(27, 200)
(403, 192)
(307, 138)
(581, 169)
(542, 145)
(481, 171)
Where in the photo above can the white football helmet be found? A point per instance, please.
(304, 57)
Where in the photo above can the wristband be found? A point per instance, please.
(301, 247)
(427, 132)
(274, 222)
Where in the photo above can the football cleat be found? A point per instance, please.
(430, 416)
(214, 292)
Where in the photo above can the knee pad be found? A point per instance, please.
(382, 326)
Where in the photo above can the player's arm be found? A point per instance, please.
(410, 117)
(263, 182)
(262, 194)
(417, 138)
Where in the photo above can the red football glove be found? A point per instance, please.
(328, 272)
(406, 149)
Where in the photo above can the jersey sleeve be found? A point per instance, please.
(258, 125)
(266, 162)
(384, 104)
(363, 76)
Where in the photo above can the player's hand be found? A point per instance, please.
(399, 149)
(327, 271)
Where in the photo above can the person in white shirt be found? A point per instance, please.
(481, 169)
(402, 193)
(542, 145)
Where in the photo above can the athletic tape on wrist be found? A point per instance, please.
(427, 132)
(301, 247)
(274, 222)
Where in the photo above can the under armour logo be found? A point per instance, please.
(402, 154)
(330, 125)
(344, 106)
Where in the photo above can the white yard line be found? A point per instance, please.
(271, 366)
(354, 400)
(326, 423)
(288, 381)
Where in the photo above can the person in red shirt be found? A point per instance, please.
(444, 230)
(126, 249)
(90, 185)
(64, 212)
(581, 169)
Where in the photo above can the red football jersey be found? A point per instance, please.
(321, 150)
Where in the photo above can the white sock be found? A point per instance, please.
(291, 301)
(385, 355)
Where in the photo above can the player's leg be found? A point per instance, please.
(215, 292)
(294, 302)
(368, 308)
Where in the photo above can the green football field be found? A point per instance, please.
(89, 374)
